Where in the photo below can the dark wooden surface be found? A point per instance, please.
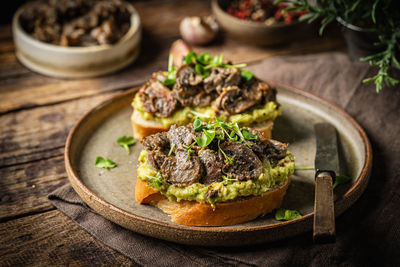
(37, 112)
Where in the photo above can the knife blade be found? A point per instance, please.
(327, 166)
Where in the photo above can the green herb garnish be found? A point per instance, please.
(104, 163)
(341, 179)
(204, 62)
(197, 125)
(171, 150)
(228, 179)
(126, 142)
(189, 149)
(206, 138)
(227, 158)
(287, 215)
(156, 181)
(190, 58)
(221, 131)
(375, 16)
(200, 70)
(171, 77)
(248, 135)
(246, 75)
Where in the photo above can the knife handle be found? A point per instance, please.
(324, 212)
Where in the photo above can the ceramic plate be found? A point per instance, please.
(111, 192)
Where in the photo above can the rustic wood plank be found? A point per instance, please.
(40, 133)
(39, 90)
(24, 187)
(5, 32)
(52, 239)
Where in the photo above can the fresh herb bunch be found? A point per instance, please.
(221, 131)
(202, 64)
(379, 16)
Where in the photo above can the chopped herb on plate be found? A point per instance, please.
(126, 142)
(104, 163)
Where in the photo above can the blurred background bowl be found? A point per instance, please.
(257, 32)
(77, 62)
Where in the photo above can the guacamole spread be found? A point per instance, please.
(227, 190)
(259, 113)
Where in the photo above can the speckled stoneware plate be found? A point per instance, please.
(111, 192)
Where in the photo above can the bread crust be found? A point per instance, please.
(201, 214)
(143, 128)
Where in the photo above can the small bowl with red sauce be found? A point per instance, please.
(259, 22)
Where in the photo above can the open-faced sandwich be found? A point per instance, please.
(213, 174)
(206, 87)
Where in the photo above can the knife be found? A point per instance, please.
(326, 166)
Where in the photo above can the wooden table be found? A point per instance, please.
(37, 112)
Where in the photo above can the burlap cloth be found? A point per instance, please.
(368, 234)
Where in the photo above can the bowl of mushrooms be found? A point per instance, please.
(76, 39)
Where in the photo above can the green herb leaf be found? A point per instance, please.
(168, 82)
(190, 58)
(287, 215)
(248, 135)
(246, 75)
(197, 125)
(227, 158)
(206, 138)
(204, 58)
(126, 142)
(200, 70)
(228, 179)
(171, 150)
(104, 163)
(171, 63)
(155, 181)
(189, 149)
(341, 179)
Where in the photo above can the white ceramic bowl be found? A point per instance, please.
(77, 62)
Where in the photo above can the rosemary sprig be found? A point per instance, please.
(382, 17)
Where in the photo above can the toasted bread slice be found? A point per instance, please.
(143, 128)
(200, 214)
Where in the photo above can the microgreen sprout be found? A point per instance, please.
(287, 215)
(126, 142)
(206, 138)
(156, 181)
(189, 149)
(227, 158)
(171, 77)
(171, 150)
(104, 163)
(246, 75)
(228, 179)
(248, 135)
(341, 179)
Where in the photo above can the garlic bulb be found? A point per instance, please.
(198, 31)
